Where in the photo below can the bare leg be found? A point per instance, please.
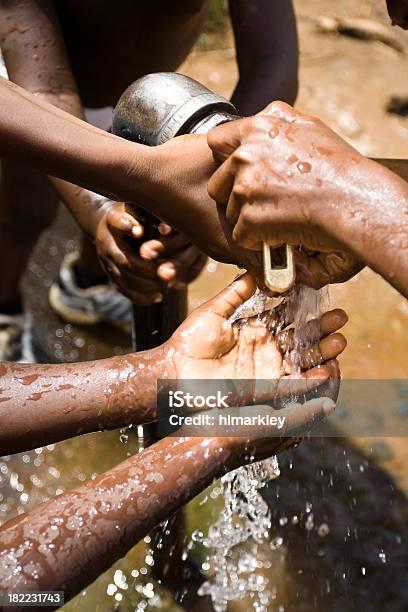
(88, 261)
(28, 205)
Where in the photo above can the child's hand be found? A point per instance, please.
(207, 346)
(169, 261)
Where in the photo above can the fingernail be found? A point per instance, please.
(158, 299)
(328, 406)
(137, 231)
(147, 253)
(164, 229)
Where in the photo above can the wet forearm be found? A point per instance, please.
(375, 226)
(49, 403)
(77, 535)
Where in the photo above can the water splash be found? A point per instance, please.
(245, 521)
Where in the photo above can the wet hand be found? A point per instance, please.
(180, 197)
(208, 346)
(282, 179)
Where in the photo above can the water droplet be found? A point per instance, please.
(303, 167)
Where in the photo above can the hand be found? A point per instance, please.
(206, 346)
(180, 173)
(185, 263)
(169, 261)
(274, 181)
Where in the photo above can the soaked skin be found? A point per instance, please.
(84, 531)
(53, 402)
(286, 177)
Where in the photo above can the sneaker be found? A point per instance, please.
(96, 304)
(15, 338)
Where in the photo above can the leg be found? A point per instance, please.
(88, 265)
(28, 205)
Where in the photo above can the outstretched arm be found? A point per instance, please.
(66, 543)
(49, 403)
(42, 404)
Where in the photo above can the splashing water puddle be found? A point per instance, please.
(245, 521)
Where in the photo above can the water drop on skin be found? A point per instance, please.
(303, 167)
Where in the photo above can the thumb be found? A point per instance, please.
(123, 222)
(232, 297)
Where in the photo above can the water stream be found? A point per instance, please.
(245, 520)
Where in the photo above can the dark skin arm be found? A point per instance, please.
(318, 191)
(50, 403)
(267, 53)
(54, 142)
(67, 542)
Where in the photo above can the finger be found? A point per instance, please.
(163, 247)
(328, 348)
(300, 418)
(233, 296)
(225, 138)
(293, 420)
(332, 321)
(125, 258)
(111, 269)
(165, 229)
(222, 182)
(119, 221)
(178, 267)
(297, 385)
(328, 323)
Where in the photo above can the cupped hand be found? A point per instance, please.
(287, 178)
(208, 346)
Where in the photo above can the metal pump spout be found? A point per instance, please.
(160, 106)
